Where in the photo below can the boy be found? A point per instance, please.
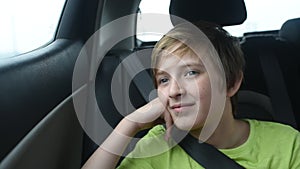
(188, 78)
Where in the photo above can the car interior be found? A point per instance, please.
(39, 124)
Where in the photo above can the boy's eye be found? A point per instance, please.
(163, 80)
(191, 73)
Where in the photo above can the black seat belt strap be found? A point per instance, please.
(143, 82)
(282, 108)
(207, 155)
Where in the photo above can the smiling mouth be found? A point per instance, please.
(180, 107)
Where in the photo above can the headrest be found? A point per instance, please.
(224, 13)
(290, 31)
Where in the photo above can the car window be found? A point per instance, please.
(262, 15)
(265, 15)
(151, 6)
(27, 25)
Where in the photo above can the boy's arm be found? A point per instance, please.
(108, 154)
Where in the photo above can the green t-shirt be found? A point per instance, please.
(270, 145)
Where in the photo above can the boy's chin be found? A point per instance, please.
(184, 127)
(188, 127)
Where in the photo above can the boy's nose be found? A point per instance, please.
(175, 90)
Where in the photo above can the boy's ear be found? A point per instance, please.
(231, 91)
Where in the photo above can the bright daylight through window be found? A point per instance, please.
(262, 15)
(27, 25)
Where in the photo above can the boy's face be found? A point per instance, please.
(184, 87)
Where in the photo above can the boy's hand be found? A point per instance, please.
(150, 115)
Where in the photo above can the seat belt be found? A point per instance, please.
(205, 154)
(282, 108)
(143, 82)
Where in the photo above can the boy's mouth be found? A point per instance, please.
(179, 107)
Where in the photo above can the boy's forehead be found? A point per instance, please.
(185, 59)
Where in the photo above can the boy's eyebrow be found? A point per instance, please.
(160, 72)
(193, 64)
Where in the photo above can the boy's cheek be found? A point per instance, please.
(162, 96)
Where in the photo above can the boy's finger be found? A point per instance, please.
(169, 122)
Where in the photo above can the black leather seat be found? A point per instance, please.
(290, 35)
(282, 46)
(290, 32)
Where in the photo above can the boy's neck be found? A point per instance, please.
(230, 132)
